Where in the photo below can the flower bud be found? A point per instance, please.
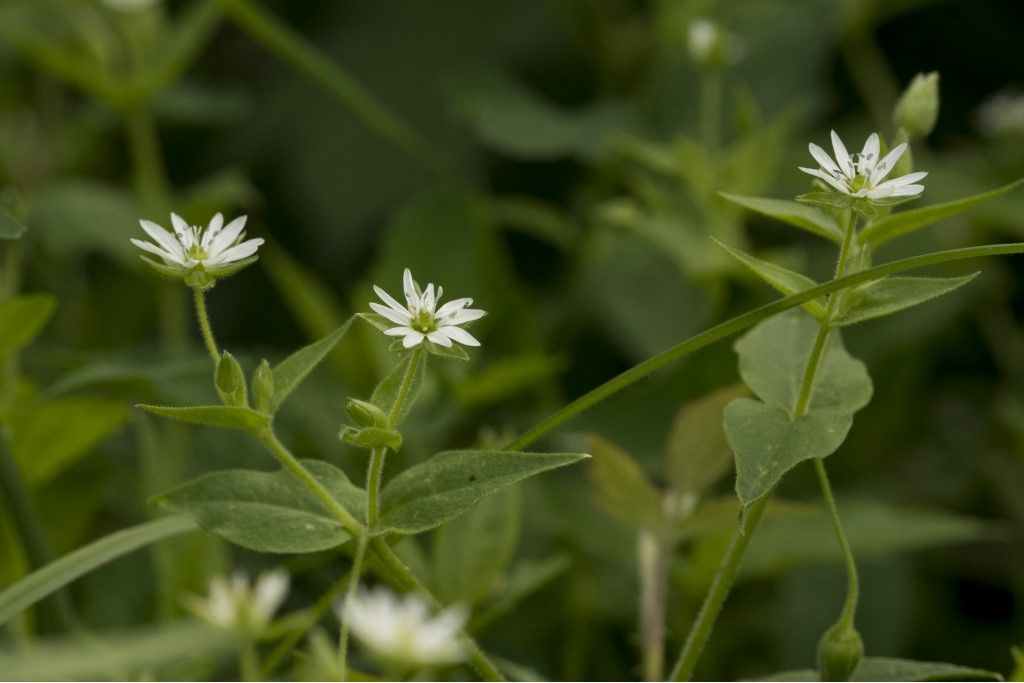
(918, 108)
(839, 652)
(230, 382)
(263, 386)
(366, 414)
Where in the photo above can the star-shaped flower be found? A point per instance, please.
(420, 319)
(234, 604)
(862, 174)
(198, 255)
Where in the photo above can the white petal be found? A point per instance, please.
(822, 157)
(163, 238)
(153, 249)
(907, 190)
(400, 331)
(180, 224)
(452, 306)
(834, 182)
(400, 317)
(904, 179)
(842, 156)
(412, 339)
(389, 300)
(887, 162)
(463, 316)
(427, 301)
(439, 337)
(412, 296)
(216, 223)
(237, 252)
(460, 335)
(226, 237)
(870, 150)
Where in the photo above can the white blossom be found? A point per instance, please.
(234, 604)
(422, 319)
(130, 5)
(401, 630)
(197, 254)
(862, 174)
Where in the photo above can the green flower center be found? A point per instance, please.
(424, 322)
(858, 183)
(196, 252)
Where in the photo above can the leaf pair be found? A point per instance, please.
(273, 512)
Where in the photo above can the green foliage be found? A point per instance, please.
(290, 372)
(268, 512)
(10, 227)
(782, 279)
(894, 294)
(22, 318)
(767, 437)
(621, 487)
(263, 386)
(230, 417)
(918, 107)
(473, 550)
(397, 392)
(697, 454)
(904, 222)
(450, 483)
(798, 215)
(891, 669)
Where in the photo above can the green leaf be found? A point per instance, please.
(231, 417)
(796, 214)
(51, 436)
(697, 453)
(507, 377)
(453, 352)
(451, 482)
(901, 223)
(471, 551)
(621, 487)
(412, 367)
(84, 215)
(22, 319)
(107, 656)
(59, 573)
(290, 372)
(782, 279)
(10, 227)
(893, 294)
(765, 438)
(891, 669)
(524, 579)
(269, 512)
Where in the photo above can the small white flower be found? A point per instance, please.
(862, 174)
(235, 605)
(1002, 114)
(130, 5)
(702, 38)
(215, 251)
(400, 629)
(421, 319)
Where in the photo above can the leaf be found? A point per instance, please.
(107, 656)
(59, 573)
(524, 579)
(22, 318)
(471, 552)
(269, 512)
(507, 377)
(892, 669)
(82, 215)
(697, 453)
(451, 482)
(893, 294)
(412, 369)
(897, 224)
(10, 227)
(621, 487)
(796, 214)
(782, 279)
(765, 438)
(51, 436)
(290, 372)
(231, 417)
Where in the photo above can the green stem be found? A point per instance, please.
(292, 48)
(403, 389)
(853, 584)
(353, 586)
(373, 479)
(204, 325)
(248, 662)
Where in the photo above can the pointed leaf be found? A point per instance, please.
(893, 294)
(451, 482)
(697, 452)
(892, 669)
(799, 215)
(409, 372)
(10, 227)
(621, 487)
(268, 511)
(897, 224)
(22, 319)
(230, 417)
(290, 372)
(782, 279)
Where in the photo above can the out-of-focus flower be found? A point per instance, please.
(1002, 114)
(862, 174)
(401, 631)
(130, 5)
(712, 46)
(918, 107)
(197, 255)
(421, 319)
(235, 604)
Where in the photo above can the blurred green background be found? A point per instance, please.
(558, 161)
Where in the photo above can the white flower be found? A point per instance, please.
(421, 319)
(400, 629)
(1002, 114)
(235, 605)
(215, 251)
(861, 175)
(130, 5)
(702, 38)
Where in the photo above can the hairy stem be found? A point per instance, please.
(652, 561)
(853, 583)
(199, 296)
(373, 479)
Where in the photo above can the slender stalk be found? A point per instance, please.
(403, 390)
(204, 325)
(373, 479)
(652, 561)
(248, 662)
(294, 49)
(853, 584)
(353, 586)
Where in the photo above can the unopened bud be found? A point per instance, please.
(918, 108)
(263, 386)
(839, 652)
(230, 381)
(366, 414)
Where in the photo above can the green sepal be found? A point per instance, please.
(377, 320)
(230, 417)
(230, 382)
(453, 352)
(263, 386)
(372, 437)
(366, 414)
